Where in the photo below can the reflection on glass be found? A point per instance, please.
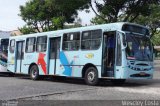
(138, 47)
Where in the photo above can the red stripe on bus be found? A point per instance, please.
(42, 62)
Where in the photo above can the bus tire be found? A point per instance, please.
(34, 72)
(91, 76)
(11, 74)
(118, 81)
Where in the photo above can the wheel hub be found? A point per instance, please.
(34, 73)
(91, 76)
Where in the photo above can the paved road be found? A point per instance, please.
(22, 88)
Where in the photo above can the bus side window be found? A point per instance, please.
(41, 44)
(119, 52)
(30, 44)
(91, 40)
(71, 41)
(12, 46)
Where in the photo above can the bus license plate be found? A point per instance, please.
(142, 73)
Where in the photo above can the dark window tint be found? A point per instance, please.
(4, 50)
(86, 35)
(71, 41)
(136, 29)
(91, 40)
(55, 48)
(4, 45)
(12, 46)
(119, 53)
(41, 44)
(20, 50)
(30, 45)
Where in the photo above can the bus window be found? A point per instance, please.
(119, 53)
(12, 45)
(91, 40)
(20, 50)
(4, 50)
(30, 44)
(41, 44)
(71, 41)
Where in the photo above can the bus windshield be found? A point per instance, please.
(138, 48)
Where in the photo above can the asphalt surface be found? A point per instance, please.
(22, 88)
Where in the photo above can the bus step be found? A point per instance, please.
(110, 73)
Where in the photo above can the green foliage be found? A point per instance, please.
(26, 30)
(145, 12)
(47, 15)
(77, 23)
(58, 22)
(121, 10)
(97, 20)
(152, 21)
(156, 39)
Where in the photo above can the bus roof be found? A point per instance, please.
(104, 27)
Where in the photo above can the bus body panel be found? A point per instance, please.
(27, 62)
(69, 63)
(3, 66)
(92, 57)
(11, 62)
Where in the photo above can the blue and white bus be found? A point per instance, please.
(3, 54)
(115, 51)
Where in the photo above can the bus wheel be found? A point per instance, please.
(11, 74)
(118, 81)
(34, 73)
(91, 76)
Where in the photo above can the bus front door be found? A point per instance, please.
(109, 45)
(19, 56)
(54, 55)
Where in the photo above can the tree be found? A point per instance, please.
(26, 30)
(152, 21)
(46, 15)
(145, 12)
(97, 20)
(120, 10)
(156, 39)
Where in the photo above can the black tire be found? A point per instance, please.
(11, 75)
(91, 76)
(34, 72)
(118, 81)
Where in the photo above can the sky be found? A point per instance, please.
(9, 19)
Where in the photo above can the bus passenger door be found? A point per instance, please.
(19, 56)
(109, 45)
(54, 54)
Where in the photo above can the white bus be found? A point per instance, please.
(3, 54)
(115, 51)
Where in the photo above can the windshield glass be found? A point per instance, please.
(138, 48)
